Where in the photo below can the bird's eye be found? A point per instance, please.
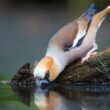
(47, 76)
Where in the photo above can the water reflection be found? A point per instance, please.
(46, 100)
(67, 98)
(24, 94)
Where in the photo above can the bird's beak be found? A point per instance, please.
(38, 78)
(41, 83)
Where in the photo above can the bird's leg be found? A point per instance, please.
(91, 52)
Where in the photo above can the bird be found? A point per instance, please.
(75, 40)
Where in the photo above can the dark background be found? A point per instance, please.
(27, 25)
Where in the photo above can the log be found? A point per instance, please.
(95, 71)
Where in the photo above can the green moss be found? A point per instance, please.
(102, 64)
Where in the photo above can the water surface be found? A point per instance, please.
(54, 98)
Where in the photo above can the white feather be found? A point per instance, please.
(38, 72)
(78, 37)
(58, 57)
(108, 7)
(80, 34)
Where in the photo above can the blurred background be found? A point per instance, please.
(27, 25)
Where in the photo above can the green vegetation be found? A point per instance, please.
(102, 64)
(11, 101)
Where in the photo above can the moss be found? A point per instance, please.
(102, 64)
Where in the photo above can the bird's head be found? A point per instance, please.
(46, 69)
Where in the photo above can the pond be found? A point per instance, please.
(55, 98)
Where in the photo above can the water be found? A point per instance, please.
(55, 98)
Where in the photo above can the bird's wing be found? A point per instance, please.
(70, 34)
(83, 25)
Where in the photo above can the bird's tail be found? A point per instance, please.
(95, 24)
(89, 12)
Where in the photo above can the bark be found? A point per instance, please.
(95, 71)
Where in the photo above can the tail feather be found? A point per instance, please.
(90, 12)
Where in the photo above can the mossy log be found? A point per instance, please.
(95, 70)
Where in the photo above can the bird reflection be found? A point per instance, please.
(62, 98)
(46, 100)
(24, 93)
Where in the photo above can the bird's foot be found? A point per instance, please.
(85, 59)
